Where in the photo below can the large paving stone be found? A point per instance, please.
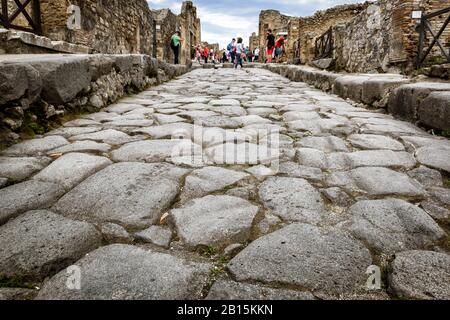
(123, 272)
(426, 176)
(325, 144)
(376, 182)
(70, 169)
(307, 257)
(36, 146)
(437, 157)
(434, 111)
(421, 275)
(28, 195)
(210, 179)
(292, 199)
(40, 243)
(18, 169)
(109, 136)
(381, 158)
(393, 225)
(82, 146)
(132, 194)
(214, 221)
(242, 153)
(230, 290)
(156, 151)
(167, 131)
(373, 142)
(295, 170)
(68, 132)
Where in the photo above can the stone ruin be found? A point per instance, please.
(372, 37)
(110, 27)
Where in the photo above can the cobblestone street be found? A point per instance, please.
(139, 201)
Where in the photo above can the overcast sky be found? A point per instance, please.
(223, 20)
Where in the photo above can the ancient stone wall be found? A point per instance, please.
(254, 42)
(310, 28)
(273, 20)
(36, 91)
(107, 26)
(190, 30)
(384, 38)
(166, 26)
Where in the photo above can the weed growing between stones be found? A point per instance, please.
(15, 282)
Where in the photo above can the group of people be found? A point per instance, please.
(235, 52)
(275, 49)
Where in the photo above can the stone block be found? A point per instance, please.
(434, 111)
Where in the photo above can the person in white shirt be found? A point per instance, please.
(240, 51)
(256, 55)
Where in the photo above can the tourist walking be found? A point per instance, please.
(232, 49)
(175, 44)
(240, 54)
(279, 48)
(270, 46)
(206, 54)
(256, 55)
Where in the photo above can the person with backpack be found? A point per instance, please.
(175, 44)
(232, 49)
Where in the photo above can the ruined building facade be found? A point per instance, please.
(190, 28)
(378, 36)
(117, 26)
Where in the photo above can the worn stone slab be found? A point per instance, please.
(426, 176)
(207, 180)
(230, 290)
(35, 146)
(214, 221)
(123, 272)
(295, 170)
(241, 153)
(292, 199)
(393, 225)
(374, 142)
(421, 275)
(72, 131)
(157, 151)
(167, 131)
(40, 243)
(435, 157)
(70, 169)
(305, 256)
(325, 144)
(160, 236)
(131, 194)
(109, 136)
(381, 158)
(376, 181)
(82, 146)
(26, 196)
(20, 168)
